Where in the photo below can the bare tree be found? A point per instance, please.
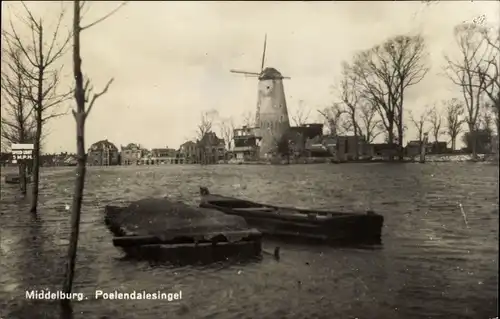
(41, 54)
(454, 120)
(17, 119)
(248, 119)
(301, 114)
(206, 123)
(385, 72)
(205, 126)
(464, 71)
(335, 118)
(489, 68)
(370, 123)
(485, 119)
(420, 123)
(350, 97)
(83, 94)
(436, 121)
(226, 131)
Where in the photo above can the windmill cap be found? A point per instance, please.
(270, 74)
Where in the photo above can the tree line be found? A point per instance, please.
(371, 92)
(370, 96)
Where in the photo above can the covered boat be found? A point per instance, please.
(329, 226)
(162, 229)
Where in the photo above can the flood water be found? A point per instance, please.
(434, 263)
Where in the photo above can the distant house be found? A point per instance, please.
(347, 147)
(413, 148)
(164, 152)
(131, 154)
(385, 150)
(103, 153)
(320, 146)
(212, 149)
(246, 144)
(70, 160)
(300, 135)
(188, 152)
(438, 147)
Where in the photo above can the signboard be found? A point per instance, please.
(22, 152)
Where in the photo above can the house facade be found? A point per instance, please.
(348, 147)
(246, 144)
(212, 149)
(188, 152)
(163, 156)
(103, 153)
(131, 154)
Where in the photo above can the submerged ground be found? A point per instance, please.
(434, 262)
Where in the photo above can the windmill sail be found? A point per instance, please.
(263, 54)
(245, 72)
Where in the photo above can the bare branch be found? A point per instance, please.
(370, 122)
(206, 124)
(436, 121)
(248, 119)
(301, 115)
(420, 123)
(98, 95)
(104, 17)
(226, 131)
(334, 118)
(454, 120)
(462, 71)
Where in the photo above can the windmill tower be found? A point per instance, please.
(271, 116)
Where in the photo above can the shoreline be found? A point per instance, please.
(434, 158)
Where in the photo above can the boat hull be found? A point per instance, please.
(284, 222)
(168, 235)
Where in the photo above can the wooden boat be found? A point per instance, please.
(329, 226)
(171, 231)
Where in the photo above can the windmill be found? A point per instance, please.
(271, 116)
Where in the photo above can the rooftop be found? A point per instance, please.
(270, 74)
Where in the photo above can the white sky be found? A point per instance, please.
(171, 60)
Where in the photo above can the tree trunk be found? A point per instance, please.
(80, 116)
(423, 146)
(22, 178)
(76, 205)
(453, 143)
(36, 162)
(391, 140)
(473, 141)
(400, 141)
(356, 134)
(38, 133)
(22, 164)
